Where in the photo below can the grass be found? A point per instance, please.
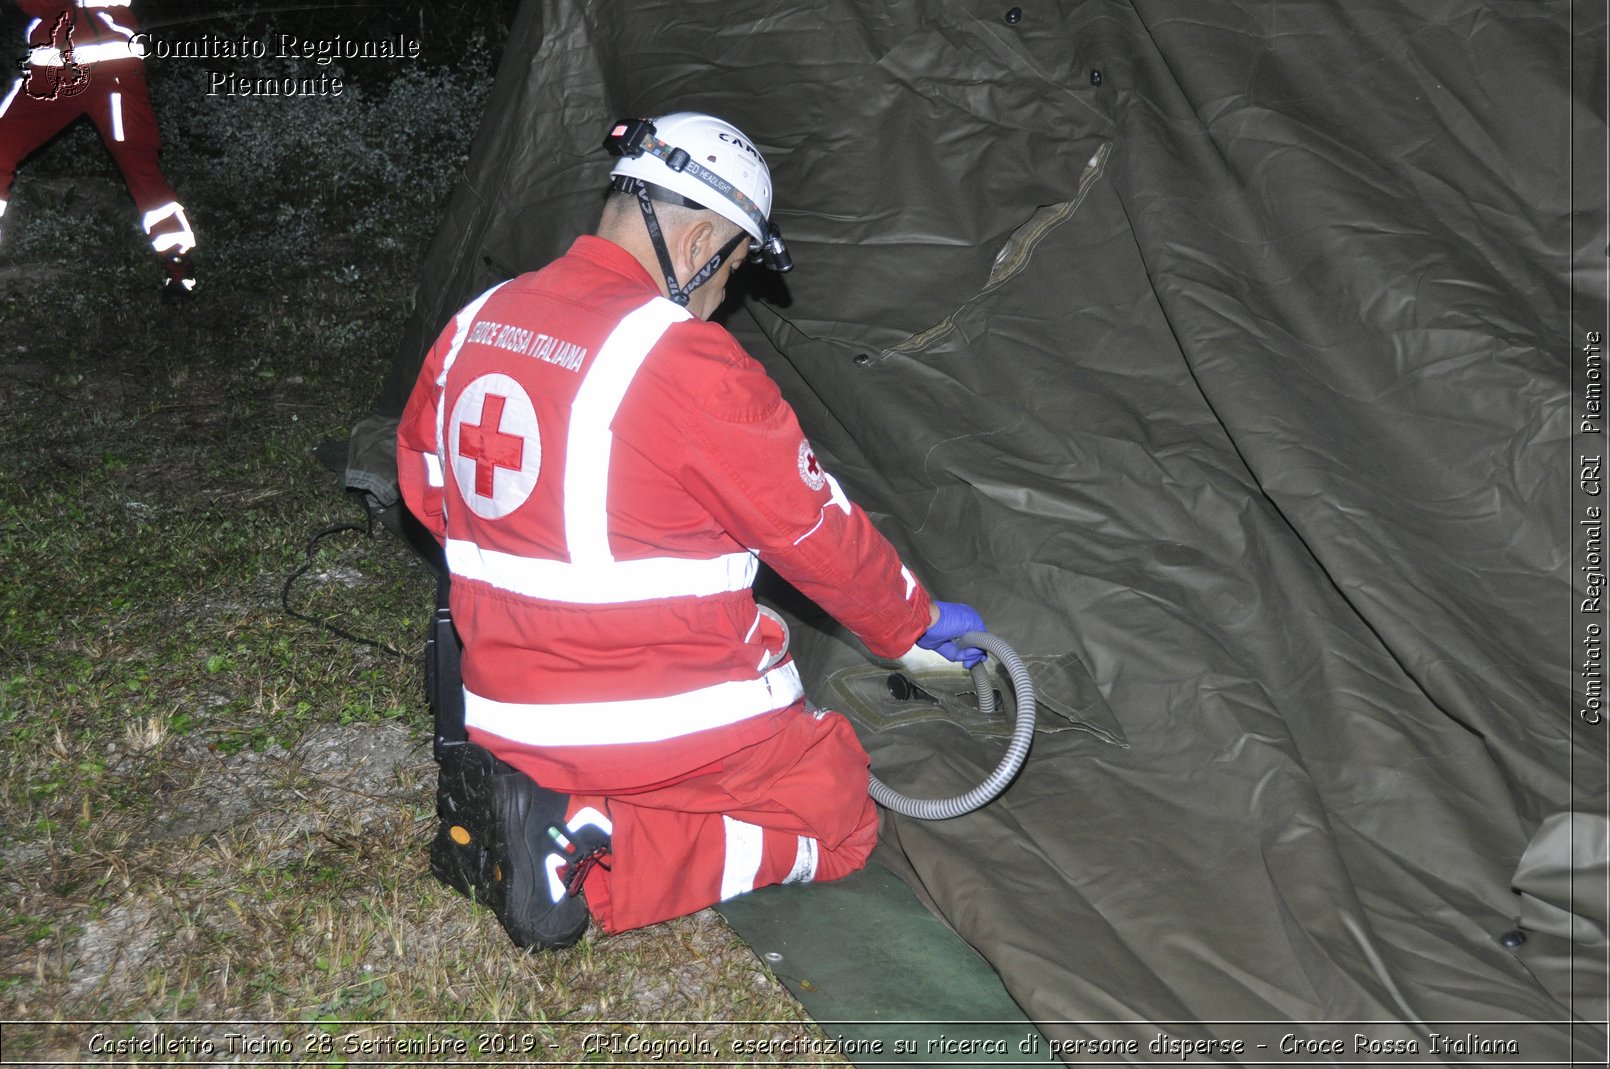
(212, 810)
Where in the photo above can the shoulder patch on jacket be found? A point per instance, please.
(810, 469)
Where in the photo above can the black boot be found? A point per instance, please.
(535, 868)
(460, 857)
(181, 276)
(503, 841)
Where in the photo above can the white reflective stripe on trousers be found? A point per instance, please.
(656, 719)
(804, 870)
(10, 96)
(184, 239)
(117, 116)
(746, 847)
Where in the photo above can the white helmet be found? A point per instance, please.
(702, 158)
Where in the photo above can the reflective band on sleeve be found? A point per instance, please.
(590, 440)
(635, 720)
(10, 96)
(433, 470)
(103, 3)
(602, 582)
(117, 116)
(99, 52)
(746, 845)
(819, 518)
(836, 496)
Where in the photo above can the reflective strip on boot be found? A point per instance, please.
(556, 863)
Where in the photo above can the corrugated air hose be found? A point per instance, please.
(1016, 751)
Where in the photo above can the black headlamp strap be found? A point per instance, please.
(715, 262)
(652, 222)
(678, 293)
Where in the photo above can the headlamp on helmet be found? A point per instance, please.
(771, 253)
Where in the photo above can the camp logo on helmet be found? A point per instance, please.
(810, 469)
(729, 139)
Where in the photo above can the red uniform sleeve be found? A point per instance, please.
(746, 460)
(419, 466)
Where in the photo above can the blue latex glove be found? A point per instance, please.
(955, 620)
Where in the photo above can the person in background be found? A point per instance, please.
(85, 59)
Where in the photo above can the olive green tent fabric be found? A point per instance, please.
(1220, 353)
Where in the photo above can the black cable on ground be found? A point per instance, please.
(367, 529)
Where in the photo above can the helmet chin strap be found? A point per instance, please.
(677, 292)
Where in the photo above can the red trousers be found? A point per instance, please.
(791, 809)
(116, 101)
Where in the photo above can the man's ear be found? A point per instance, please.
(700, 244)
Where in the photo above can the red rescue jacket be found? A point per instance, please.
(604, 470)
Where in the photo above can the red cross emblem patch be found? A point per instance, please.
(810, 470)
(495, 447)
